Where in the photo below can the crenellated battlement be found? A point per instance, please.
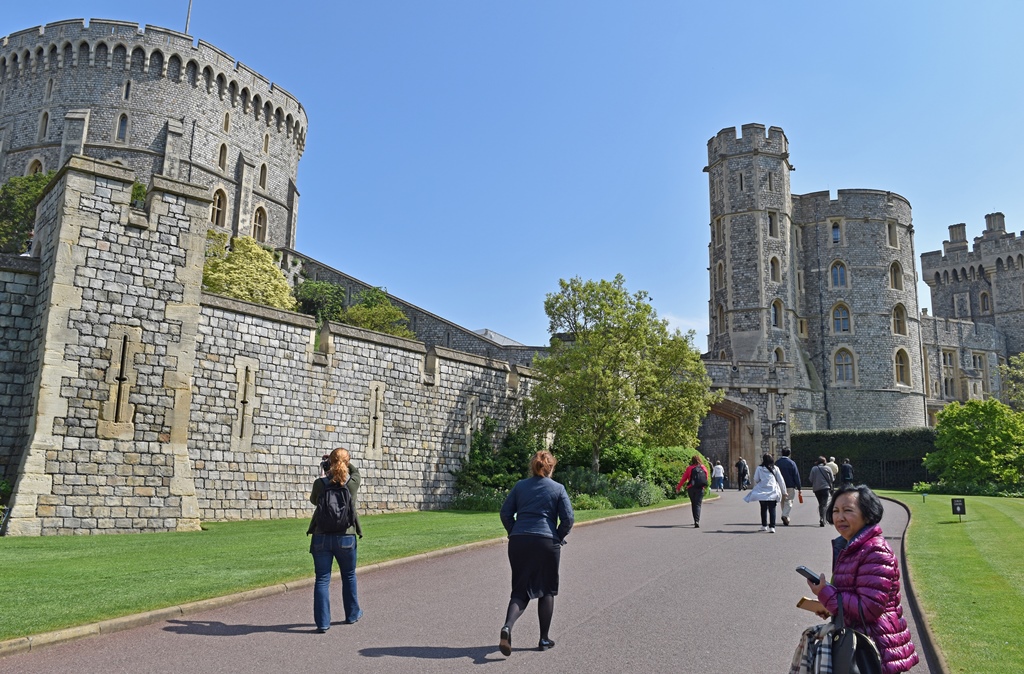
(752, 139)
(39, 51)
(852, 203)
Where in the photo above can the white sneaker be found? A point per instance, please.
(771, 530)
(763, 529)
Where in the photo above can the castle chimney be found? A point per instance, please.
(995, 222)
(958, 233)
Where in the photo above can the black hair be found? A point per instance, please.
(767, 461)
(786, 451)
(870, 505)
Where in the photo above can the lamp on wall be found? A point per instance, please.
(779, 429)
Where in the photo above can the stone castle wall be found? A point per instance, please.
(156, 405)
(429, 328)
(65, 87)
(18, 363)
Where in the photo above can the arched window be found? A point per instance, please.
(127, 90)
(985, 304)
(896, 276)
(902, 368)
(227, 122)
(218, 208)
(838, 275)
(779, 356)
(263, 176)
(121, 133)
(844, 366)
(777, 314)
(721, 355)
(259, 225)
(776, 270)
(840, 318)
(266, 142)
(721, 319)
(35, 167)
(899, 320)
(44, 126)
(49, 89)
(222, 158)
(837, 233)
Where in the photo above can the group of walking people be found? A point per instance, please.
(537, 514)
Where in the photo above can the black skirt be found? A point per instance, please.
(534, 561)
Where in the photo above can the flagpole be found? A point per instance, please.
(188, 17)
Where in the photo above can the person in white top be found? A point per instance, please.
(718, 477)
(767, 489)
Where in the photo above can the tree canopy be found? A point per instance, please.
(979, 442)
(245, 272)
(371, 309)
(18, 199)
(615, 372)
(1013, 381)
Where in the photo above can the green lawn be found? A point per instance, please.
(54, 582)
(970, 578)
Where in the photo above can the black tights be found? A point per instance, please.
(545, 609)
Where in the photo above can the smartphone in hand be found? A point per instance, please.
(808, 574)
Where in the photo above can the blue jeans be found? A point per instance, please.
(325, 548)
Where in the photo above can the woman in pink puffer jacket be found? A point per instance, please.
(865, 572)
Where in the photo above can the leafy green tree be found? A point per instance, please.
(1012, 375)
(979, 442)
(616, 373)
(322, 299)
(487, 467)
(18, 199)
(245, 272)
(373, 310)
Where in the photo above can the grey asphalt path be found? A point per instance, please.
(640, 594)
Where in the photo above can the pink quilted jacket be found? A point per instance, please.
(866, 573)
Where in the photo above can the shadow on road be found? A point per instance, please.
(214, 628)
(479, 654)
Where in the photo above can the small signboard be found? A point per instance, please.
(959, 508)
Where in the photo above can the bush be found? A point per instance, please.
(580, 480)
(633, 461)
(633, 492)
(669, 465)
(590, 502)
(481, 499)
(969, 489)
(488, 468)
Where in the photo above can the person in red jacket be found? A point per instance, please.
(695, 485)
(866, 575)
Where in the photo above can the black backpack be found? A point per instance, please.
(698, 477)
(334, 512)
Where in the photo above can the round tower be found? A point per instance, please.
(752, 308)
(156, 102)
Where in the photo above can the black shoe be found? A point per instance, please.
(696, 525)
(505, 641)
(321, 630)
(545, 644)
(821, 523)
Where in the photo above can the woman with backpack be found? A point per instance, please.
(334, 526)
(695, 477)
(767, 489)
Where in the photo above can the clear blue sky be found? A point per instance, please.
(467, 154)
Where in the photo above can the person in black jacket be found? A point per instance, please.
(791, 475)
(846, 473)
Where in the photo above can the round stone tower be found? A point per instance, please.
(752, 308)
(156, 102)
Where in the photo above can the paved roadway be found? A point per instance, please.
(639, 594)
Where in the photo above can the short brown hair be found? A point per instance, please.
(543, 464)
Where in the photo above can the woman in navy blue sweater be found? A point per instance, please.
(537, 515)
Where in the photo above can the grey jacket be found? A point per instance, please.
(821, 478)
